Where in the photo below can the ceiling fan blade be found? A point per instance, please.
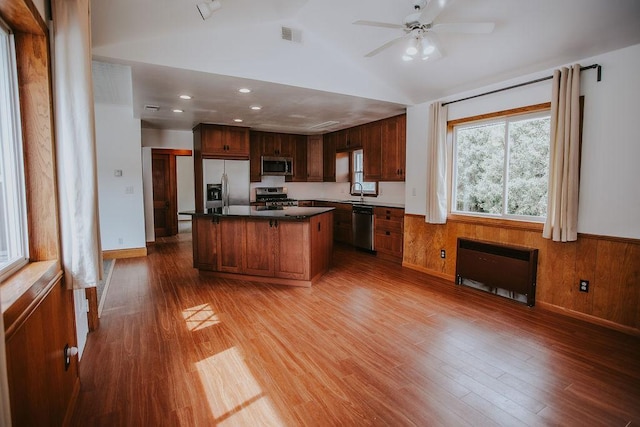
(386, 45)
(466, 28)
(432, 10)
(378, 24)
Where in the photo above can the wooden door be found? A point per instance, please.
(299, 159)
(255, 156)
(259, 254)
(165, 215)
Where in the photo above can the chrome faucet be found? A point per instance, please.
(361, 190)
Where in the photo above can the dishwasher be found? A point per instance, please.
(362, 224)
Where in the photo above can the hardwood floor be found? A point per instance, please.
(370, 344)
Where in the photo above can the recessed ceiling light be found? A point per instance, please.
(185, 97)
(237, 120)
(244, 90)
(256, 107)
(177, 110)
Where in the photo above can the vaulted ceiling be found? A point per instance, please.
(325, 76)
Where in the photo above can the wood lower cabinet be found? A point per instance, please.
(205, 247)
(231, 245)
(389, 232)
(293, 252)
(342, 223)
(276, 248)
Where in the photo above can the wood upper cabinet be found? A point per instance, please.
(299, 154)
(255, 154)
(329, 157)
(372, 151)
(394, 148)
(348, 139)
(223, 142)
(205, 247)
(314, 158)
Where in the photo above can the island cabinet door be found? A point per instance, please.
(292, 246)
(231, 245)
(205, 244)
(259, 259)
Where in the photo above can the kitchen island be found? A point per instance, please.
(290, 246)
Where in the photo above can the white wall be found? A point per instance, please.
(609, 193)
(120, 198)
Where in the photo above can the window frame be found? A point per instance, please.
(353, 172)
(539, 110)
(13, 160)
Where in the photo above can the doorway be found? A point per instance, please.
(165, 190)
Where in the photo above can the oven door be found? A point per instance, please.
(279, 166)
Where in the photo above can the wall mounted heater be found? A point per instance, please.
(508, 271)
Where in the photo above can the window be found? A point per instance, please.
(13, 247)
(358, 176)
(501, 166)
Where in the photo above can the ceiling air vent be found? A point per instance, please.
(325, 125)
(150, 107)
(291, 34)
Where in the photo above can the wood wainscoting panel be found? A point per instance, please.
(610, 264)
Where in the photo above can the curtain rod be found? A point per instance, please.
(588, 67)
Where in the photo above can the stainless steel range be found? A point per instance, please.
(274, 197)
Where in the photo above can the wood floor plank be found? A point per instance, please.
(370, 344)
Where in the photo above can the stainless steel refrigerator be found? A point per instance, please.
(237, 176)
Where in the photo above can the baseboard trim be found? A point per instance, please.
(124, 253)
(544, 305)
(429, 272)
(588, 318)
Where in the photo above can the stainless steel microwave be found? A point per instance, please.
(280, 166)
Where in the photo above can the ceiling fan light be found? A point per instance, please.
(427, 49)
(412, 49)
(206, 9)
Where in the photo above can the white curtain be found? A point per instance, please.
(562, 207)
(75, 143)
(437, 165)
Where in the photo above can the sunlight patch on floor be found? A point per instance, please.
(233, 394)
(200, 317)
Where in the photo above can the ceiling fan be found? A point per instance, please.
(418, 27)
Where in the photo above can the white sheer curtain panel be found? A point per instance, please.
(562, 207)
(75, 143)
(437, 165)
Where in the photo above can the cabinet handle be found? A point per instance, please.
(276, 223)
(319, 226)
(388, 217)
(388, 233)
(270, 223)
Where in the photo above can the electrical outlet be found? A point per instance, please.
(584, 285)
(443, 253)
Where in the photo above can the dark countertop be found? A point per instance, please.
(367, 201)
(286, 213)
